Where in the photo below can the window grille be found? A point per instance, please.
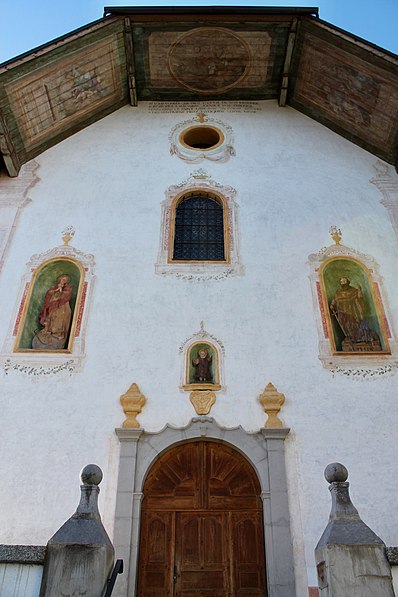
(199, 229)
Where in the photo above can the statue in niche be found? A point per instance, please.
(354, 313)
(51, 309)
(202, 365)
(55, 316)
(348, 307)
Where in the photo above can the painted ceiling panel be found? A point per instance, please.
(213, 62)
(352, 92)
(141, 54)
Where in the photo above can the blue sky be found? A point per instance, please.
(25, 24)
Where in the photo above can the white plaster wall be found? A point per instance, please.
(294, 179)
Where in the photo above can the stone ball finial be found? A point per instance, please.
(336, 472)
(91, 475)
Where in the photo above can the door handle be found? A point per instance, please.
(175, 575)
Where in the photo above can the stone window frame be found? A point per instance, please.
(221, 152)
(355, 365)
(200, 181)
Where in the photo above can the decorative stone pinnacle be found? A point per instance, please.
(335, 234)
(272, 401)
(91, 475)
(336, 474)
(68, 234)
(132, 402)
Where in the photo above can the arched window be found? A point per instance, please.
(199, 228)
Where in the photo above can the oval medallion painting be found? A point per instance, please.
(209, 60)
(49, 319)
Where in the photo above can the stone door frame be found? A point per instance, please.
(265, 450)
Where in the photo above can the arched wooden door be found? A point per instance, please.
(201, 528)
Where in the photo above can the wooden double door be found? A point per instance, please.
(202, 529)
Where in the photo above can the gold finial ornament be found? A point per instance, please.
(132, 402)
(201, 117)
(202, 401)
(335, 234)
(272, 401)
(68, 234)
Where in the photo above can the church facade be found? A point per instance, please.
(198, 252)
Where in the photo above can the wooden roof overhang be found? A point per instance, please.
(199, 53)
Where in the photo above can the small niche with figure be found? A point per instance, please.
(202, 367)
(202, 372)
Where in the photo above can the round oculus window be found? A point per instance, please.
(201, 138)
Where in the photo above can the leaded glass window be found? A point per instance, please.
(199, 229)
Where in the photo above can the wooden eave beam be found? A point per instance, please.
(288, 60)
(7, 149)
(358, 41)
(56, 43)
(130, 65)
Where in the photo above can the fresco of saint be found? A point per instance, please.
(348, 308)
(55, 316)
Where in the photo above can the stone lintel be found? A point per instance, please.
(22, 554)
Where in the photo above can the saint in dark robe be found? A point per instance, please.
(202, 365)
(348, 307)
(55, 317)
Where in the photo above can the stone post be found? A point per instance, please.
(128, 511)
(79, 558)
(350, 557)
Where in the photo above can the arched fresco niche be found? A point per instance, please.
(47, 331)
(356, 334)
(354, 314)
(51, 307)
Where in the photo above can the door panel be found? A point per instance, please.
(249, 572)
(156, 561)
(201, 555)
